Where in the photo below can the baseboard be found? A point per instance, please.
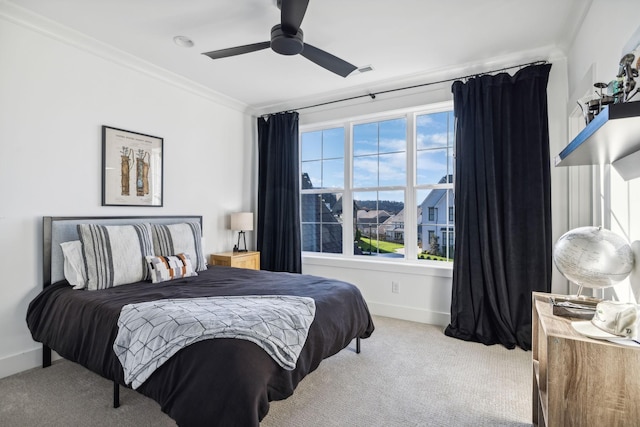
(20, 362)
(409, 313)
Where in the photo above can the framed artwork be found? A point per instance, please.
(131, 168)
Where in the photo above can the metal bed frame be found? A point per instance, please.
(60, 229)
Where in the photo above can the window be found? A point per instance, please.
(378, 230)
(434, 183)
(394, 172)
(322, 167)
(379, 180)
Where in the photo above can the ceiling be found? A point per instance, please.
(400, 39)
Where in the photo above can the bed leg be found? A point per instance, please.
(358, 345)
(116, 395)
(46, 356)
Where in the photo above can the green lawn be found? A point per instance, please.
(378, 246)
(389, 248)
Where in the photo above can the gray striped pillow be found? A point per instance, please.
(174, 239)
(115, 254)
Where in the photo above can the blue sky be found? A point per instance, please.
(380, 154)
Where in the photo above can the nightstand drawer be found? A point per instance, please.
(250, 260)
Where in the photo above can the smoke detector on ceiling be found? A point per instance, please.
(183, 41)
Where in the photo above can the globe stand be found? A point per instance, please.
(578, 297)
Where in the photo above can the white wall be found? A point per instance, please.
(425, 293)
(54, 97)
(55, 93)
(594, 57)
(425, 290)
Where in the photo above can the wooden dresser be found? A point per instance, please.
(250, 260)
(578, 381)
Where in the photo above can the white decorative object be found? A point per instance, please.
(593, 257)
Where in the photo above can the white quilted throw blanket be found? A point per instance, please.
(151, 332)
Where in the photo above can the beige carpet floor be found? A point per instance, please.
(408, 374)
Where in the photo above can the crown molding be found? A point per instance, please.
(54, 30)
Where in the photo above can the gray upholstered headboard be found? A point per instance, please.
(63, 229)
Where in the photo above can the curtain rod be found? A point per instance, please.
(373, 95)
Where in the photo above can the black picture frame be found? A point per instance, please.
(132, 168)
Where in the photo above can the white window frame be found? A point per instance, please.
(328, 190)
(410, 221)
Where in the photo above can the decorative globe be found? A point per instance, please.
(593, 257)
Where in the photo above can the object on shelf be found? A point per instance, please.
(619, 90)
(577, 308)
(629, 74)
(592, 105)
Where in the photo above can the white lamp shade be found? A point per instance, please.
(242, 221)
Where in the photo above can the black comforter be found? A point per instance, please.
(226, 382)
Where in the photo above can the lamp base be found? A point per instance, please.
(236, 248)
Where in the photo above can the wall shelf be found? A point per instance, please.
(611, 136)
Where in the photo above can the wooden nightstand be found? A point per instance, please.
(250, 260)
(579, 381)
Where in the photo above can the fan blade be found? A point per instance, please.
(291, 14)
(328, 61)
(238, 50)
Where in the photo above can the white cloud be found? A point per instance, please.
(426, 140)
(363, 147)
(392, 145)
(390, 168)
(425, 120)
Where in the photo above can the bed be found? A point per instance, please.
(221, 381)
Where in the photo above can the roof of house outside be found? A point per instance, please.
(372, 216)
(434, 197)
(315, 210)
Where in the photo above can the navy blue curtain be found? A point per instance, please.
(278, 237)
(503, 248)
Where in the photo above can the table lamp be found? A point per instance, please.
(241, 222)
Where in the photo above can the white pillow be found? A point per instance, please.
(74, 270)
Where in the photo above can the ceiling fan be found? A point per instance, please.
(287, 39)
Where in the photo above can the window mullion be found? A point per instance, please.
(348, 228)
(410, 204)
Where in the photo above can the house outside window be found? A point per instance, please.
(388, 164)
(434, 183)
